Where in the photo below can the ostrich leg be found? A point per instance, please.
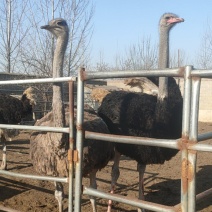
(4, 154)
(59, 195)
(114, 177)
(141, 169)
(93, 185)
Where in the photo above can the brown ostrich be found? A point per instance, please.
(145, 115)
(13, 111)
(48, 151)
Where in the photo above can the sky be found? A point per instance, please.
(121, 23)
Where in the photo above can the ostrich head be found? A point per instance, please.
(58, 27)
(168, 20)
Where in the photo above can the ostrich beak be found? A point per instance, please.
(45, 27)
(175, 20)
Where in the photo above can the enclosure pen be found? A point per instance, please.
(187, 145)
(69, 130)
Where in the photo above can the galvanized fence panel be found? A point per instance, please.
(68, 179)
(188, 141)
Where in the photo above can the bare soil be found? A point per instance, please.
(162, 182)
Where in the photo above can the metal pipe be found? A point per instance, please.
(130, 73)
(71, 145)
(201, 196)
(204, 136)
(201, 73)
(35, 177)
(192, 155)
(185, 135)
(200, 147)
(2, 208)
(79, 141)
(35, 128)
(168, 143)
(37, 81)
(129, 201)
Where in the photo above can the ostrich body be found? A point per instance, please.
(48, 151)
(12, 111)
(140, 114)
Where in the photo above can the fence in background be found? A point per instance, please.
(189, 141)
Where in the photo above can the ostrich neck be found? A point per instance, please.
(163, 62)
(57, 103)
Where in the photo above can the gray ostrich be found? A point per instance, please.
(12, 111)
(145, 115)
(48, 151)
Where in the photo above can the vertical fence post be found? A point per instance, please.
(185, 137)
(71, 145)
(192, 155)
(79, 140)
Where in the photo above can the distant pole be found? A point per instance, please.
(178, 56)
(178, 61)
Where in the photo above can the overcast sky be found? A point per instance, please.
(119, 23)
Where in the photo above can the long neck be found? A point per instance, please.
(57, 104)
(163, 62)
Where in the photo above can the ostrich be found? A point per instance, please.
(48, 151)
(12, 111)
(145, 115)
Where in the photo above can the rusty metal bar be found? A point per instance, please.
(79, 140)
(192, 155)
(185, 136)
(71, 145)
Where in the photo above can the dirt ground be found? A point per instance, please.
(162, 182)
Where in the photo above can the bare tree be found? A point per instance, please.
(204, 56)
(37, 57)
(13, 29)
(142, 55)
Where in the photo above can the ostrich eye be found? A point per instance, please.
(167, 18)
(61, 23)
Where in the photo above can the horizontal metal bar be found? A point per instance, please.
(201, 196)
(35, 128)
(36, 81)
(201, 147)
(131, 73)
(204, 136)
(35, 177)
(127, 200)
(2, 208)
(173, 144)
(201, 73)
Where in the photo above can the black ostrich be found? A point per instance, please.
(140, 114)
(13, 111)
(49, 150)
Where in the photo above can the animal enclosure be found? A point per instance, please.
(187, 144)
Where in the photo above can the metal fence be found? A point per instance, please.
(188, 144)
